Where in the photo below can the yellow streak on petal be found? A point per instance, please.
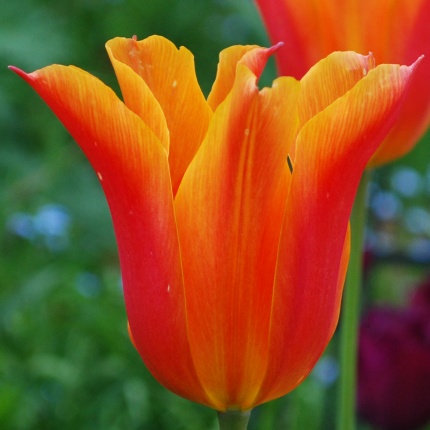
(226, 73)
(229, 210)
(138, 97)
(170, 75)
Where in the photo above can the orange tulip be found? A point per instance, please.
(231, 213)
(395, 31)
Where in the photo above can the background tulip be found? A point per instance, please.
(226, 308)
(395, 31)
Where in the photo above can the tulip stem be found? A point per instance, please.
(233, 420)
(350, 315)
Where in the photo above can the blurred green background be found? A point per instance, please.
(65, 358)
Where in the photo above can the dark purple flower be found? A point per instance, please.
(394, 365)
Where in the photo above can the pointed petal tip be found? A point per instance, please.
(255, 59)
(26, 76)
(17, 70)
(411, 69)
(274, 48)
(417, 61)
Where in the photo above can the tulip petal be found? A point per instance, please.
(229, 211)
(331, 153)
(330, 79)
(138, 96)
(415, 114)
(395, 32)
(169, 73)
(299, 24)
(226, 73)
(132, 166)
(254, 57)
(312, 30)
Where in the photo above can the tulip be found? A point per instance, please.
(395, 31)
(231, 212)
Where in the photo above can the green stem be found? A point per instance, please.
(233, 420)
(350, 315)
